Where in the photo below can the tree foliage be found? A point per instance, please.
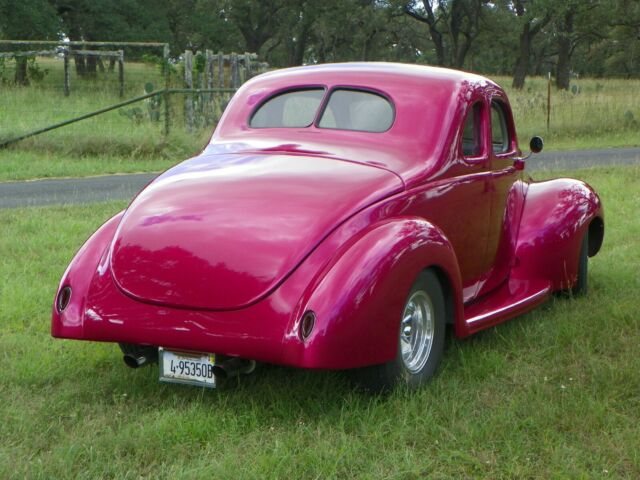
(517, 37)
(27, 20)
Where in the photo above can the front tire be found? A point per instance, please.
(421, 335)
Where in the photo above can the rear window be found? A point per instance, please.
(346, 109)
(293, 109)
(357, 110)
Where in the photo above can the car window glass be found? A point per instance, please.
(291, 109)
(499, 131)
(471, 145)
(357, 110)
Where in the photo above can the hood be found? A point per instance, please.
(220, 232)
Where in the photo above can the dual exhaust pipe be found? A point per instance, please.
(137, 361)
(234, 367)
(230, 368)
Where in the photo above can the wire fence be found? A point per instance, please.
(68, 89)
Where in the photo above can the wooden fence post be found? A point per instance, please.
(221, 69)
(247, 66)
(121, 71)
(67, 74)
(188, 83)
(167, 69)
(235, 74)
(209, 69)
(548, 101)
(165, 95)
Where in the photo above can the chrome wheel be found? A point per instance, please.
(420, 339)
(416, 331)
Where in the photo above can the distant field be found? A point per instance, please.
(553, 394)
(595, 113)
(600, 113)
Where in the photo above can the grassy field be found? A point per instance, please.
(553, 394)
(25, 163)
(120, 141)
(596, 113)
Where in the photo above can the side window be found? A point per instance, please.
(499, 132)
(472, 133)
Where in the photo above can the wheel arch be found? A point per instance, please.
(447, 291)
(362, 294)
(556, 216)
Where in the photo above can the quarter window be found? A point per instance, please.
(499, 131)
(471, 134)
(293, 109)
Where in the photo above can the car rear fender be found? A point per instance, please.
(359, 297)
(78, 276)
(557, 214)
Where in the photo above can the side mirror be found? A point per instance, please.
(536, 144)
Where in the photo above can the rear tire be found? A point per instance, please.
(581, 285)
(421, 334)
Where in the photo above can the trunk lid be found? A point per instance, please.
(220, 232)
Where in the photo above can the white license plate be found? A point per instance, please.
(192, 368)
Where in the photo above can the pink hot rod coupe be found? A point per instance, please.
(341, 216)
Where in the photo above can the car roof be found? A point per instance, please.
(377, 71)
(430, 103)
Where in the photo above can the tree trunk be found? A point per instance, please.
(301, 43)
(92, 65)
(21, 77)
(436, 38)
(461, 53)
(455, 24)
(431, 21)
(539, 59)
(522, 63)
(366, 46)
(463, 28)
(563, 68)
(81, 65)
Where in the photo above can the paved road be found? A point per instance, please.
(72, 190)
(584, 158)
(120, 187)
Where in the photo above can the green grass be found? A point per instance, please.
(553, 394)
(24, 164)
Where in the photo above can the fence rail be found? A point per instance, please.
(76, 43)
(117, 55)
(164, 92)
(204, 81)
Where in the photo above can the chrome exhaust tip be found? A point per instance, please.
(136, 356)
(134, 361)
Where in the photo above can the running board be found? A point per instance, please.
(514, 298)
